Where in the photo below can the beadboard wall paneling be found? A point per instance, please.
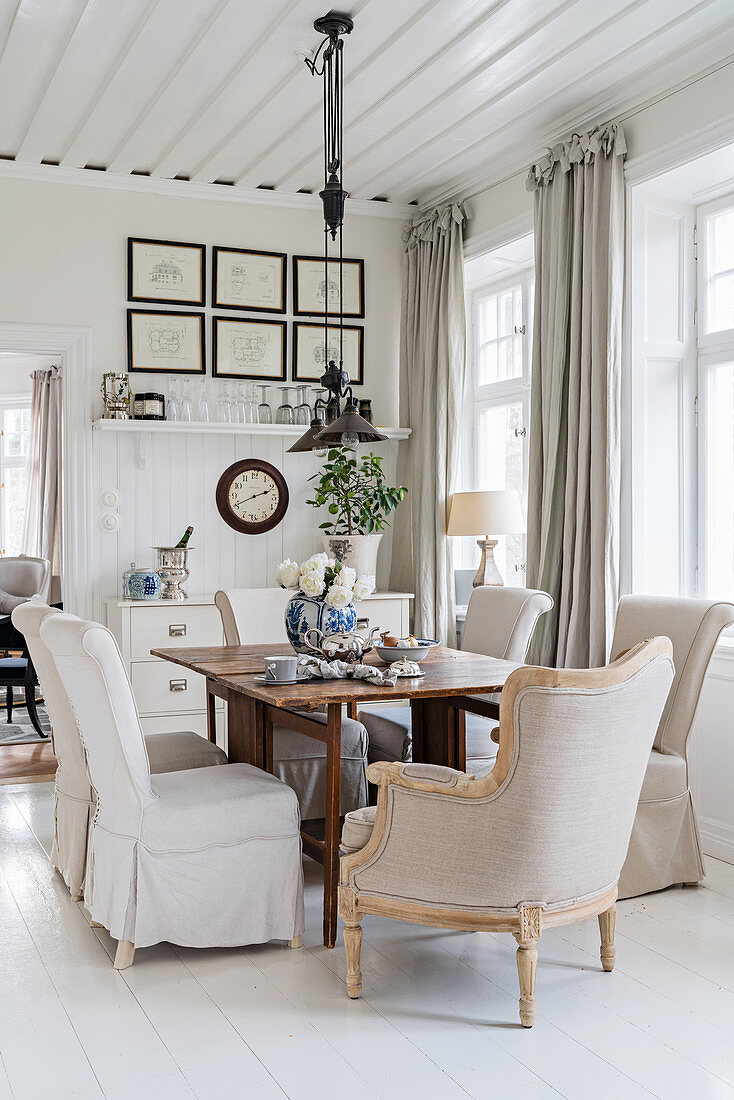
(176, 486)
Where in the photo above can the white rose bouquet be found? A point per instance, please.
(320, 575)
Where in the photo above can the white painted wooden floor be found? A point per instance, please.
(438, 1017)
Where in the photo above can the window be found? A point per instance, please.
(15, 418)
(716, 397)
(497, 407)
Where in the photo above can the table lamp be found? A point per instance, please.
(495, 511)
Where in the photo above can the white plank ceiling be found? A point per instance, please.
(442, 96)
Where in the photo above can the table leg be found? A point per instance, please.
(439, 735)
(331, 824)
(211, 714)
(245, 730)
(351, 710)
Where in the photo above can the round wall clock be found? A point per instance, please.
(252, 496)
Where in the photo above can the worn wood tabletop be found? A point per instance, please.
(448, 672)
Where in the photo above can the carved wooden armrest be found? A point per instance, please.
(431, 778)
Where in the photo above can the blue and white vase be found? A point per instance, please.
(143, 584)
(303, 612)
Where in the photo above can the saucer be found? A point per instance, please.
(280, 683)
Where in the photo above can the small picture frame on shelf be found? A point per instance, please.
(316, 284)
(169, 272)
(165, 341)
(253, 348)
(244, 278)
(310, 357)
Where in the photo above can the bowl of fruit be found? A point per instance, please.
(390, 649)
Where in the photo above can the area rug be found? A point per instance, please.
(20, 731)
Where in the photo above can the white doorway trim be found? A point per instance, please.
(73, 346)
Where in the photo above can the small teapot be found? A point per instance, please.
(342, 646)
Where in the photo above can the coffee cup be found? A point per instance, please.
(280, 668)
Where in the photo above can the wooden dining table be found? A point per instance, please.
(438, 702)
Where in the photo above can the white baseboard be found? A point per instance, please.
(717, 838)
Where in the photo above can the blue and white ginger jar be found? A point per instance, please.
(303, 612)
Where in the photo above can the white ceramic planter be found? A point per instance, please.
(360, 551)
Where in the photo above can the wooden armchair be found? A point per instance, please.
(537, 842)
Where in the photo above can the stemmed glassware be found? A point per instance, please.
(284, 412)
(187, 411)
(250, 404)
(202, 404)
(173, 401)
(238, 405)
(302, 411)
(264, 412)
(224, 408)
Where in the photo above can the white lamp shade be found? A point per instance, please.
(496, 512)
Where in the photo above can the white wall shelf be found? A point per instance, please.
(178, 427)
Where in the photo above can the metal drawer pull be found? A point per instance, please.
(177, 630)
(177, 685)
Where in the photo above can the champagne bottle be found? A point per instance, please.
(183, 541)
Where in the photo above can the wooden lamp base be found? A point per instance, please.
(487, 573)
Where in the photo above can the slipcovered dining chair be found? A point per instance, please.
(256, 616)
(499, 623)
(21, 579)
(537, 842)
(74, 794)
(204, 858)
(665, 847)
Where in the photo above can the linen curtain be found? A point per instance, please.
(574, 470)
(42, 531)
(432, 377)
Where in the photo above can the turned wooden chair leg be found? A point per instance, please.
(124, 955)
(353, 949)
(295, 942)
(527, 965)
(608, 952)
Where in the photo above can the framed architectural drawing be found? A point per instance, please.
(249, 349)
(310, 358)
(165, 271)
(244, 278)
(310, 287)
(165, 340)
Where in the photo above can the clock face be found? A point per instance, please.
(252, 496)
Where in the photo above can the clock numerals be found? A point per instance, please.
(252, 496)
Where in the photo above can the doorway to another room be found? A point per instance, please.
(29, 552)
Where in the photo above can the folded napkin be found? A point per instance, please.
(319, 669)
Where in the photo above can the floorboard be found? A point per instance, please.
(437, 1019)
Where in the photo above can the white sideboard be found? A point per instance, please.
(171, 698)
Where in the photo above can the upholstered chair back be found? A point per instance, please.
(24, 576)
(500, 621)
(253, 616)
(92, 671)
(693, 627)
(71, 775)
(579, 758)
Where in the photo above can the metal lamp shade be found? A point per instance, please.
(350, 423)
(307, 440)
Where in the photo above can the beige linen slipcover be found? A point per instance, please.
(74, 795)
(203, 858)
(256, 616)
(665, 847)
(499, 623)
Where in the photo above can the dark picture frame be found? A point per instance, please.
(167, 342)
(303, 329)
(308, 271)
(172, 274)
(245, 323)
(222, 300)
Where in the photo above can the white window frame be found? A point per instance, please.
(494, 394)
(713, 349)
(7, 402)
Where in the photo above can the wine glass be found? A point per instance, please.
(264, 412)
(224, 407)
(187, 412)
(202, 404)
(238, 406)
(302, 411)
(250, 403)
(173, 403)
(284, 412)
